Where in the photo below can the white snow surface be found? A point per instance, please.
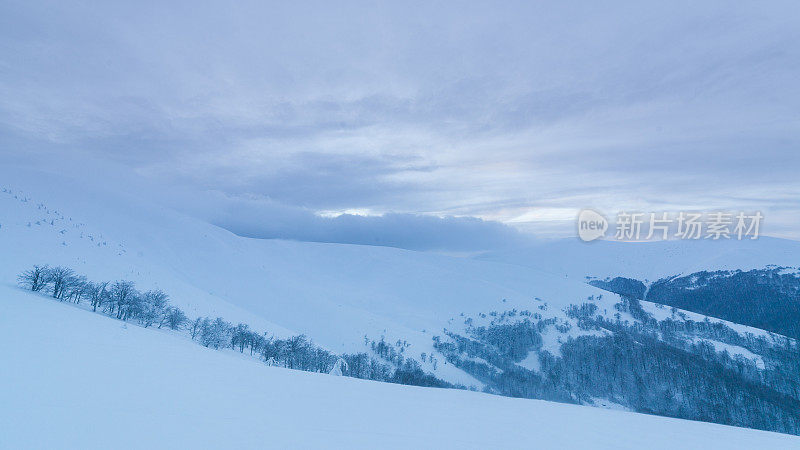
(74, 379)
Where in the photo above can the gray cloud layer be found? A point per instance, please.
(521, 113)
(260, 218)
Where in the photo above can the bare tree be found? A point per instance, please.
(34, 279)
(240, 336)
(60, 280)
(214, 333)
(98, 294)
(194, 330)
(153, 305)
(77, 288)
(174, 318)
(123, 299)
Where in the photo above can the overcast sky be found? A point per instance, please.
(523, 114)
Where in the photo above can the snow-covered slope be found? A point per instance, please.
(72, 379)
(334, 293)
(350, 298)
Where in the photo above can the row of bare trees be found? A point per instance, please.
(121, 300)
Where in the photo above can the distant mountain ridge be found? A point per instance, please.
(767, 298)
(649, 261)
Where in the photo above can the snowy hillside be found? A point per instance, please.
(533, 330)
(81, 380)
(334, 293)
